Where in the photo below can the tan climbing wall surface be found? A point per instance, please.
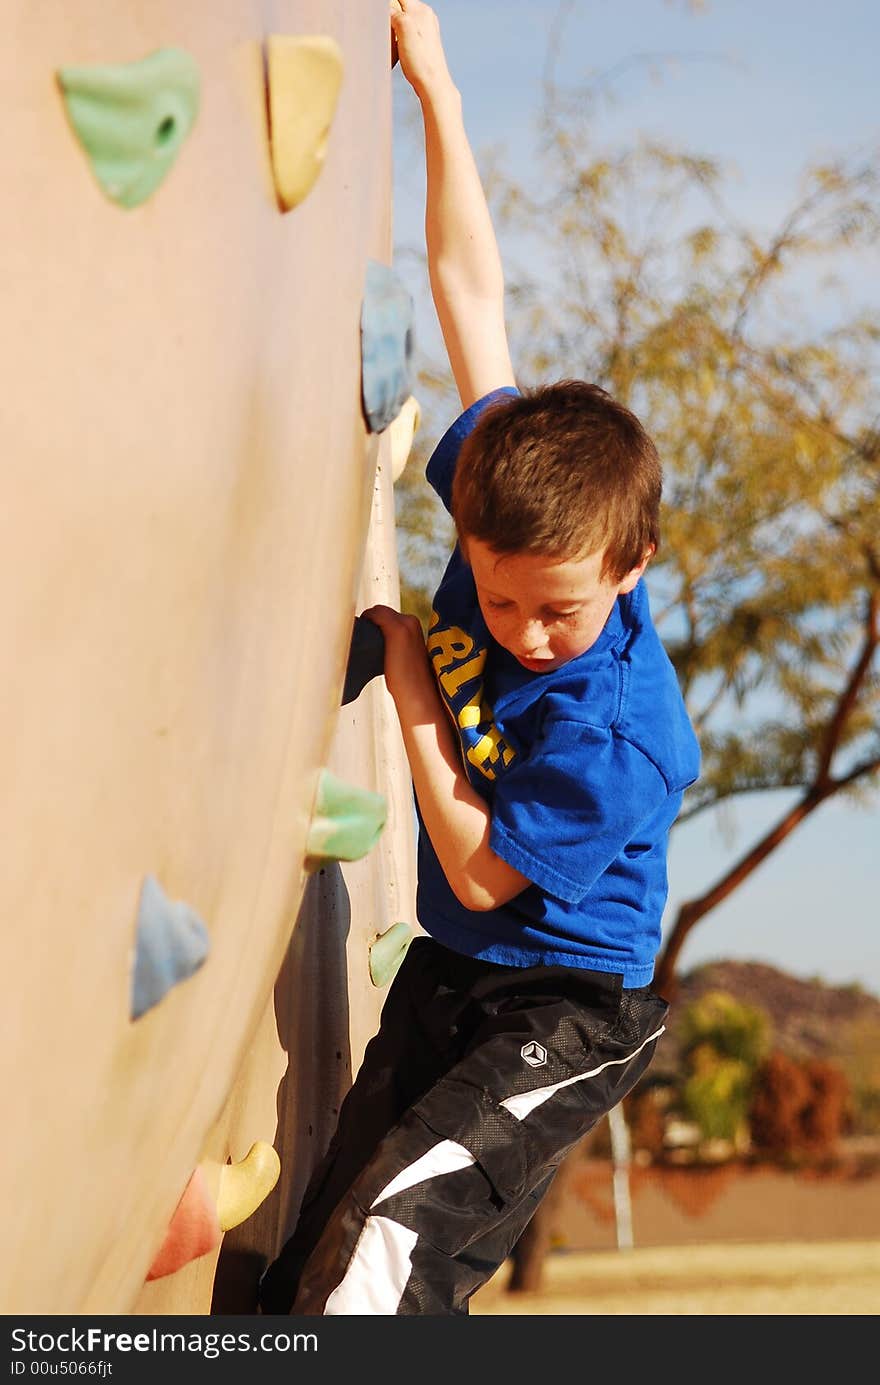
(189, 482)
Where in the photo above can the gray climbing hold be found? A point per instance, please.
(386, 346)
(387, 953)
(346, 822)
(171, 944)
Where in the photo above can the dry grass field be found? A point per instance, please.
(793, 1278)
(719, 1241)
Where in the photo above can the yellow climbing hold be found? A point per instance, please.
(305, 74)
(243, 1186)
(402, 430)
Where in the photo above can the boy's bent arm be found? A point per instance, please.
(456, 818)
(467, 281)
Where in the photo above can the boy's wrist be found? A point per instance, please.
(439, 94)
(418, 699)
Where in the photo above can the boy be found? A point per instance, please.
(549, 750)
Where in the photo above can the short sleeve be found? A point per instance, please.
(564, 814)
(441, 466)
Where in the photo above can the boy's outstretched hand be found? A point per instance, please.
(416, 29)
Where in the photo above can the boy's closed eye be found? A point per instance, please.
(546, 614)
(562, 615)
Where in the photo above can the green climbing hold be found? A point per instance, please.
(387, 953)
(346, 822)
(132, 119)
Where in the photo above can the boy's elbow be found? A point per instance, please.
(472, 896)
(480, 896)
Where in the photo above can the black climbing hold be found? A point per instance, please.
(366, 658)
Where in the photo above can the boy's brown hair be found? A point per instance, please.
(560, 471)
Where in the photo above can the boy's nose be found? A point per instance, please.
(530, 641)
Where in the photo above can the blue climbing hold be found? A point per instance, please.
(366, 658)
(172, 943)
(386, 346)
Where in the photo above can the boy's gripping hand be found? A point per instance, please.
(417, 30)
(408, 674)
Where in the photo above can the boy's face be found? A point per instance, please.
(545, 611)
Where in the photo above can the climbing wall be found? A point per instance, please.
(204, 361)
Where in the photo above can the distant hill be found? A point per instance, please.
(809, 1019)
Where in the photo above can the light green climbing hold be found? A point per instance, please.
(132, 119)
(387, 953)
(346, 822)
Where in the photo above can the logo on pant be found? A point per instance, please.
(534, 1054)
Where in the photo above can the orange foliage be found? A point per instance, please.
(798, 1108)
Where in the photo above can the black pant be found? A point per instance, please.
(479, 1082)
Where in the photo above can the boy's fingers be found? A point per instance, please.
(391, 621)
(380, 615)
(394, 12)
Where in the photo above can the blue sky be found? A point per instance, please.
(764, 88)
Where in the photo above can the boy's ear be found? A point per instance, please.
(635, 573)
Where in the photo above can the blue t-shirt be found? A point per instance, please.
(583, 769)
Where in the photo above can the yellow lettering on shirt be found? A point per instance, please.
(485, 754)
(452, 681)
(475, 710)
(451, 651)
(446, 646)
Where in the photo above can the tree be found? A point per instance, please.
(861, 1065)
(767, 586)
(722, 1042)
(766, 589)
(798, 1109)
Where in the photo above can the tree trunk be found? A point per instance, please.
(665, 975)
(528, 1255)
(530, 1252)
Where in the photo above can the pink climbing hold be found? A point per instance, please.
(194, 1229)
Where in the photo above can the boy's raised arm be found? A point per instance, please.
(464, 265)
